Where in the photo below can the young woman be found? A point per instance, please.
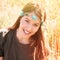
(24, 41)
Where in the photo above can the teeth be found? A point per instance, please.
(26, 32)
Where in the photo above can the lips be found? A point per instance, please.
(26, 32)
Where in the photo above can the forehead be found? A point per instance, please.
(33, 17)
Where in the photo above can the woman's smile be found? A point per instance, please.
(26, 32)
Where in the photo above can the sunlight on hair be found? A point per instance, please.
(10, 10)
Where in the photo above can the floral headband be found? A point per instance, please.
(34, 17)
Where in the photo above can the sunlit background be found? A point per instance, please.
(10, 10)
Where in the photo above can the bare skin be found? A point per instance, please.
(1, 58)
(27, 28)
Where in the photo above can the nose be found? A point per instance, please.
(29, 28)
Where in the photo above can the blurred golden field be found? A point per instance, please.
(10, 10)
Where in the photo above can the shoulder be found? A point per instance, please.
(3, 32)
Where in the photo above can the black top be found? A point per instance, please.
(11, 49)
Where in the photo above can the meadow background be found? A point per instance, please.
(10, 10)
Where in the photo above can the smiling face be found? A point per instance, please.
(28, 26)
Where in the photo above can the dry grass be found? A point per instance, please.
(9, 12)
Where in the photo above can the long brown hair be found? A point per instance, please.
(38, 36)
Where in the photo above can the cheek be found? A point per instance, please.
(23, 24)
(35, 30)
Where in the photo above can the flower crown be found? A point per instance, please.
(34, 17)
